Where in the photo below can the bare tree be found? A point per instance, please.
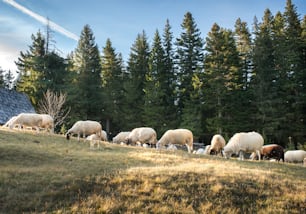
(52, 104)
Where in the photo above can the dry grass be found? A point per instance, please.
(47, 174)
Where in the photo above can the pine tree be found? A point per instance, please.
(244, 47)
(9, 80)
(264, 82)
(190, 70)
(295, 70)
(2, 82)
(138, 68)
(169, 80)
(113, 77)
(303, 76)
(31, 67)
(155, 96)
(87, 65)
(223, 78)
(244, 96)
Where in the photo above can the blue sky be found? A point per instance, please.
(119, 20)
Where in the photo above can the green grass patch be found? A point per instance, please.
(46, 173)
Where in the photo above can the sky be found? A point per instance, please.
(119, 20)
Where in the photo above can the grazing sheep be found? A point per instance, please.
(47, 122)
(101, 137)
(85, 128)
(242, 143)
(104, 136)
(203, 151)
(217, 144)
(177, 136)
(121, 137)
(27, 119)
(295, 156)
(93, 137)
(271, 151)
(142, 135)
(9, 122)
(94, 140)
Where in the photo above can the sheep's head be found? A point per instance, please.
(68, 136)
(227, 153)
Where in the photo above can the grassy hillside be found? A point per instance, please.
(41, 173)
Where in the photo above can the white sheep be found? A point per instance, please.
(177, 136)
(85, 128)
(101, 137)
(104, 136)
(242, 143)
(217, 144)
(47, 122)
(142, 135)
(203, 151)
(94, 139)
(295, 156)
(121, 137)
(9, 122)
(27, 119)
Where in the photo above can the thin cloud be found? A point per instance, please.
(43, 20)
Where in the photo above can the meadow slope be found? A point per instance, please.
(47, 174)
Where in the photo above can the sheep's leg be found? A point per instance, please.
(188, 148)
(241, 155)
(258, 154)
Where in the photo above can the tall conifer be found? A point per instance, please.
(87, 65)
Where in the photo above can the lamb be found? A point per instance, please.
(142, 135)
(101, 137)
(94, 140)
(271, 151)
(242, 143)
(27, 119)
(203, 151)
(85, 128)
(217, 144)
(295, 156)
(47, 122)
(177, 136)
(121, 137)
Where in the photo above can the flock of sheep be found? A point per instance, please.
(239, 144)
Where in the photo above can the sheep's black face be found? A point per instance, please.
(68, 136)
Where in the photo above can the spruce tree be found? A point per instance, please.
(295, 70)
(31, 66)
(223, 79)
(264, 82)
(113, 77)
(244, 96)
(189, 60)
(87, 89)
(2, 81)
(138, 68)
(169, 80)
(153, 100)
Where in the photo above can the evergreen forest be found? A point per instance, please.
(228, 81)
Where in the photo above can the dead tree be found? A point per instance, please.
(52, 104)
